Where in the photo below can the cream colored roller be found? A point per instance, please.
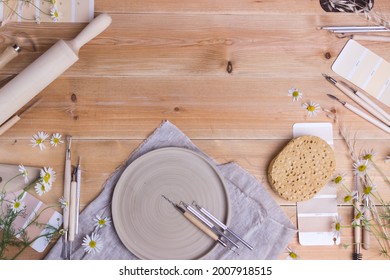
(45, 69)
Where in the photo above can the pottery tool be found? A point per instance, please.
(67, 193)
(45, 69)
(78, 179)
(208, 223)
(8, 54)
(221, 225)
(72, 213)
(196, 222)
(17, 117)
(366, 227)
(362, 114)
(363, 37)
(360, 99)
(357, 228)
(354, 29)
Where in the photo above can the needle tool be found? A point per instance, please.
(78, 180)
(221, 225)
(67, 187)
(362, 114)
(208, 223)
(196, 222)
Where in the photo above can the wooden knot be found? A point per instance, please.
(229, 67)
(328, 55)
(73, 97)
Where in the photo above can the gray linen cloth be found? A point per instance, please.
(254, 213)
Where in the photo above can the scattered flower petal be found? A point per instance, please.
(295, 94)
(39, 139)
(93, 244)
(311, 108)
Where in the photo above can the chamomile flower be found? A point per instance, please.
(338, 180)
(292, 255)
(92, 244)
(48, 175)
(367, 191)
(336, 227)
(311, 108)
(101, 222)
(350, 197)
(360, 167)
(23, 171)
(368, 154)
(63, 203)
(358, 218)
(55, 14)
(17, 205)
(295, 93)
(39, 139)
(41, 188)
(56, 139)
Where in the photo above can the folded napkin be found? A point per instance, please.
(254, 214)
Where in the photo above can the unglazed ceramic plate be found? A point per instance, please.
(148, 225)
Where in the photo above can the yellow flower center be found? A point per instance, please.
(39, 141)
(338, 226)
(46, 178)
(347, 198)
(92, 244)
(295, 93)
(102, 222)
(293, 255)
(56, 14)
(43, 188)
(311, 108)
(56, 140)
(338, 179)
(17, 204)
(362, 168)
(367, 156)
(367, 190)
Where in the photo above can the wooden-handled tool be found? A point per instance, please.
(8, 54)
(45, 69)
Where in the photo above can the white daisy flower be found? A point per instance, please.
(93, 244)
(17, 205)
(336, 227)
(41, 188)
(367, 191)
(338, 179)
(39, 139)
(101, 222)
(23, 171)
(360, 167)
(48, 175)
(63, 203)
(295, 93)
(292, 255)
(350, 197)
(56, 139)
(311, 108)
(368, 154)
(55, 14)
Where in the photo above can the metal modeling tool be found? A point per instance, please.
(208, 223)
(221, 225)
(362, 114)
(360, 99)
(78, 179)
(357, 229)
(67, 186)
(196, 222)
(366, 226)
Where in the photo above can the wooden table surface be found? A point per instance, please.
(219, 70)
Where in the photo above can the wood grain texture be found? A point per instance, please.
(219, 70)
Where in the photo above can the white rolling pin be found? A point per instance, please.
(45, 69)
